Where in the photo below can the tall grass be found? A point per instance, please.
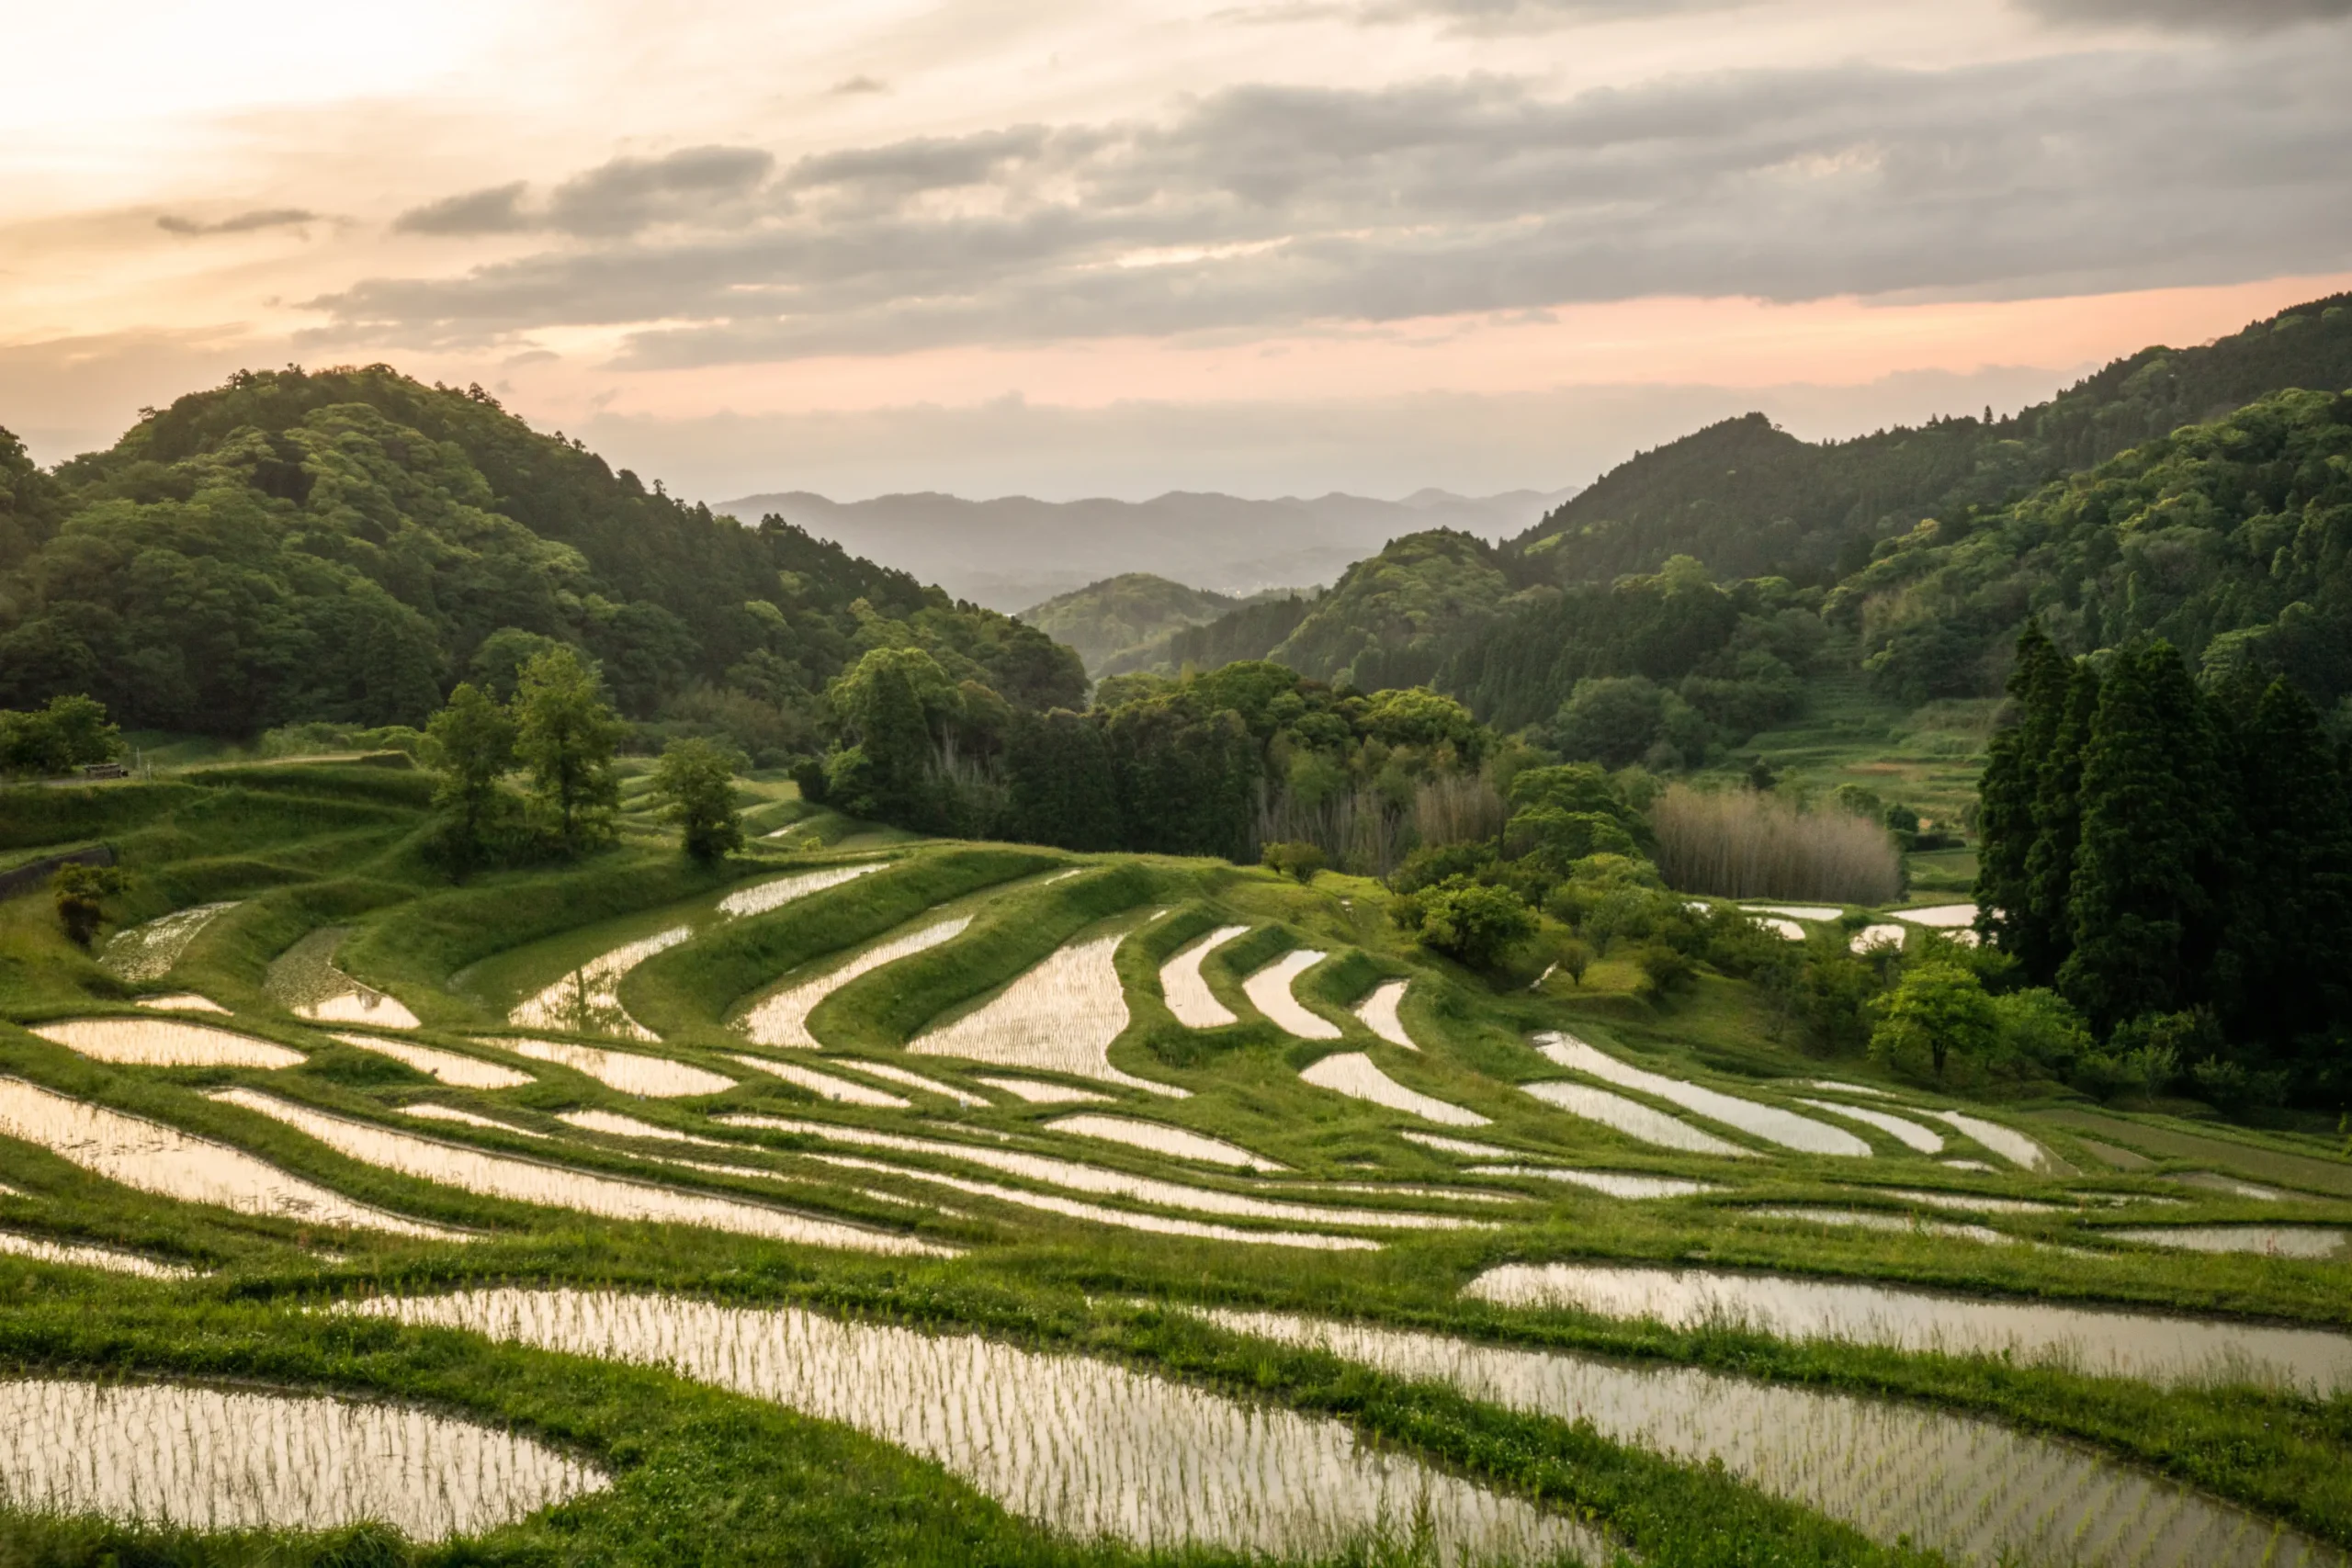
(1741, 845)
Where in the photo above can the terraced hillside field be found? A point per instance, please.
(877, 1200)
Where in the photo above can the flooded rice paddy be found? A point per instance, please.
(825, 1086)
(451, 1114)
(201, 1459)
(1967, 1487)
(1941, 917)
(1796, 911)
(1769, 1122)
(1613, 1183)
(148, 952)
(763, 897)
(613, 1125)
(1881, 934)
(77, 1255)
(1351, 1073)
(1269, 991)
(1910, 1134)
(1041, 1091)
(2013, 1146)
(1462, 1146)
(164, 1042)
(1379, 1014)
(2149, 1347)
(1086, 1448)
(648, 1077)
(782, 1018)
(918, 1082)
(151, 1158)
(1880, 1220)
(1059, 1016)
(182, 1001)
(1162, 1139)
(587, 1000)
(2268, 1241)
(1642, 1122)
(451, 1068)
(1186, 993)
(560, 1187)
(305, 982)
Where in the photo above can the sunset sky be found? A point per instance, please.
(1287, 246)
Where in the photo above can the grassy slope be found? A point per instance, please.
(706, 1477)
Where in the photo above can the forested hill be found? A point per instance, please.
(344, 546)
(1751, 501)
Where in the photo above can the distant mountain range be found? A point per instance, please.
(1014, 552)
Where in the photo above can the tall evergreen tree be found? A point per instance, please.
(2141, 908)
(1062, 788)
(2009, 791)
(2290, 935)
(2045, 933)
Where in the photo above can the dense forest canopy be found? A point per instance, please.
(344, 546)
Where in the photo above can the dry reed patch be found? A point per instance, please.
(1378, 1012)
(1769, 1122)
(1876, 1220)
(1351, 1073)
(1037, 1091)
(825, 1086)
(1097, 1181)
(2268, 1241)
(613, 1125)
(151, 1158)
(1961, 1486)
(762, 897)
(1059, 1016)
(183, 1001)
(206, 1460)
(1269, 991)
(1612, 1183)
(456, 1071)
(1740, 844)
(2166, 1352)
(1162, 1139)
(164, 1042)
(75, 1254)
(915, 1081)
(2011, 1146)
(560, 1187)
(1457, 1145)
(587, 1000)
(782, 1018)
(1187, 995)
(1907, 1133)
(305, 982)
(1644, 1123)
(1086, 1448)
(431, 1113)
(648, 1077)
(148, 952)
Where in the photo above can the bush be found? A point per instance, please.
(1466, 920)
(1939, 1010)
(1742, 845)
(1297, 861)
(1665, 968)
(81, 890)
(70, 732)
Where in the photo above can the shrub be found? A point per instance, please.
(1574, 958)
(1743, 845)
(1466, 920)
(79, 890)
(1297, 861)
(1665, 968)
(68, 733)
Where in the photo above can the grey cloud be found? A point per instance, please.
(242, 222)
(498, 210)
(2193, 16)
(856, 84)
(1272, 208)
(629, 194)
(1531, 15)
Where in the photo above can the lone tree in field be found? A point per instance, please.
(81, 890)
(1939, 1008)
(565, 733)
(696, 783)
(473, 745)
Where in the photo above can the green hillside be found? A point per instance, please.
(937, 1201)
(1111, 617)
(344, 546)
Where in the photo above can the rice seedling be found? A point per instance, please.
(762, 897)
(305, 982)
(151, 1158)
(73, 1255)
(914, 1081)
(1039, 1092)
(431, 1113)
(1378, 1012)
(825, 1086)
(1188, 996)
(782, 1018)
(2168, 1352)
(1162, 1139)
(182, 1001)
(1906, 1132)
(158, 1454)
(562, 1187)
(2268, 1241)
(2010, 1145)
(587, 1000)
(451, 1068)
(649, 1077)
(1968, 1488)
(1059, 1016)
(613, 1125)
(1095, 1179)
(1087, 1448)
(1740, 844)
(1641, 1123)
(1875, 1220)
(1456, 1146)
(1769, 1122)
(164, 1042)
(1942, 917)
(1269, 991)
(1614, 1184)
(148, 952)
(1351, 1073)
